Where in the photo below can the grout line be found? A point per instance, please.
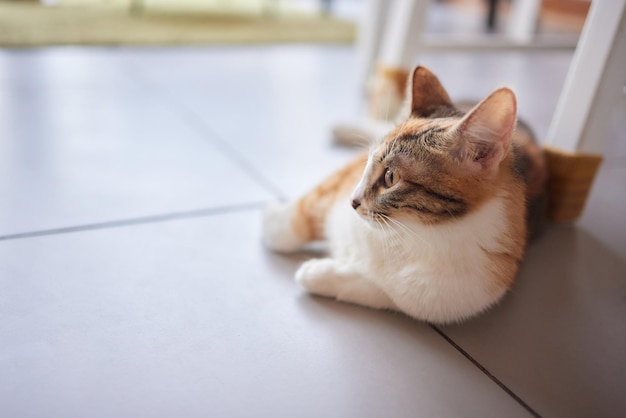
(196, 123)
(135, 221)
(487, 372)
(192, 119)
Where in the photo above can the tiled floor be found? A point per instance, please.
(133, 282)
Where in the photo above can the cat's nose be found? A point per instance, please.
(356, 203)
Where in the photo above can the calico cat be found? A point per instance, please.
(432, 222)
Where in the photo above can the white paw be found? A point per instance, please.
(318, 276)
(278, 233)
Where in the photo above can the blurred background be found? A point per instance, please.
(164, 22)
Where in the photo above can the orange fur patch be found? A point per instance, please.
(312, 208)
(397, 77)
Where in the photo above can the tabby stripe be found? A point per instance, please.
(437, 195)
(431, 130)
(419, 209)
(443, 213)
(424, 135)
(426, 132)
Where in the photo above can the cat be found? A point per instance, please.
(433, 221)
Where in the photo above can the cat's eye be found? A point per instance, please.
(390, 178)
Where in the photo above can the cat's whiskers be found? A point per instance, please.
(451, 214)
(399, 238)
(391, 237)
(407, 231)
(393, 142)
(391, 233)
(386, 243)
(381, 227)
(364, 143)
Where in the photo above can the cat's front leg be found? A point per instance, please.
(330, 278)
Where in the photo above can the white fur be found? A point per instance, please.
(278, 232)
(433, 273)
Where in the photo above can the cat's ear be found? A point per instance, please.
(482, 139)
(426, 92)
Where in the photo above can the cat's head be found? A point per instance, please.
(440, 163)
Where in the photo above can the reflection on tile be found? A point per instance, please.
(274, 106)
(76, 155)
(158, 320)
(63, 67)
(555, 340)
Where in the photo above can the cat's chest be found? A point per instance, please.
(352, 238)
(413, 250)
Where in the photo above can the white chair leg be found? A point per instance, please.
(369, 38)
(523, 21)
(403, 33)
(593, 89)
(594, 82)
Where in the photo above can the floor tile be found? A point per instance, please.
(603, 217)
(89, 151)
(63, 67)
(274, 106)
(195, 318)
